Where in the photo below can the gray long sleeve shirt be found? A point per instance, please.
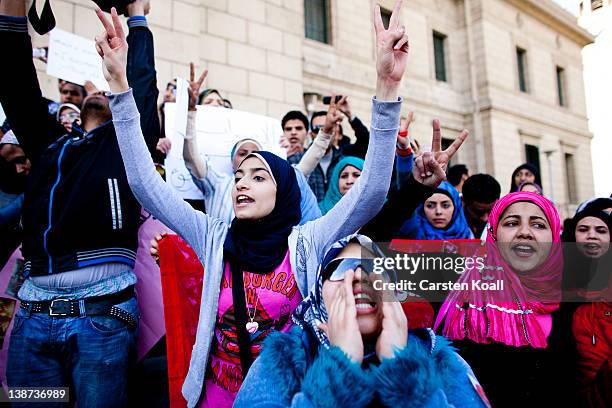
(307, 243)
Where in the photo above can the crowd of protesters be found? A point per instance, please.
(76, 174)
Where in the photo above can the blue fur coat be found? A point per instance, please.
(292, 371)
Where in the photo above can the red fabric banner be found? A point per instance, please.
(181, 276)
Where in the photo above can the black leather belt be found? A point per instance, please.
(94, 306)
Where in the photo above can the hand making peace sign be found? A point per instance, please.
(391, 53)
(113, 48)
(430, 167)
(195, 86)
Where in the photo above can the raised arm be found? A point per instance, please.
(197, 167)
(367, 196)
(399, 206)
(147, 185)
(317, 150)
(314, 154)
(362, 134)
(20, 94)
(404, 154)
(141, 73)
(194, 163)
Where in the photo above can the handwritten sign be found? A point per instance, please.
(74, 59)
(218, 129)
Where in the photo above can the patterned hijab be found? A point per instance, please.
(311, 311)
(486, 316)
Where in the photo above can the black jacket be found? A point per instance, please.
(400, 206)
(78, 209)
(362, 136)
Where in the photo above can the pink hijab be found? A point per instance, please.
(508, 317)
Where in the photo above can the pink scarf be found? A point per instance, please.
(508, 317)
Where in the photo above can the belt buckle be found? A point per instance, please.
(52, 313)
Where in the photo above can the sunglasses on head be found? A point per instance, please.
(336, 270)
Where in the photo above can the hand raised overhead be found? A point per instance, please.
(391, 53)
(430, 167)
(403, 137)
(113, 48)
(334, 116)
(195, 86)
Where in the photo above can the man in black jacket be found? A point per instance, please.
(78, 319)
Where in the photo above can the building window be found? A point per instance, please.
(521, 62)
(570, 178)
(595, 4)
(532, 156)
(316, 20)
(439, 41)
(561, 86)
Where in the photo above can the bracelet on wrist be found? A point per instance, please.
(404, 152)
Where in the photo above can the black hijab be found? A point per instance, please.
(260, 245)
(582, 272)
(525, 166)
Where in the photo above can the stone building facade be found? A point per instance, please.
(258, 56)
(596, 16)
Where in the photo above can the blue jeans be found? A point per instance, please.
(90, 354)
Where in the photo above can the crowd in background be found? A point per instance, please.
(288, 310)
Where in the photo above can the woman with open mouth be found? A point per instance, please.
(586, 314)
(508, 336)
(263, 264)
(352, 347)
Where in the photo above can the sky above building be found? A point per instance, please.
(569, 5)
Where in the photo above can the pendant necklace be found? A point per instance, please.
(252, 325)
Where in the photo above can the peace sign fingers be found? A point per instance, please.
(452, 149)
(436, 139)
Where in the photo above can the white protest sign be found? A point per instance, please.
(74, 59)
(181, 105)
(218, 129)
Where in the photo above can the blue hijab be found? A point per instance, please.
(260, 245)
(333, 194)
(418, 227)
